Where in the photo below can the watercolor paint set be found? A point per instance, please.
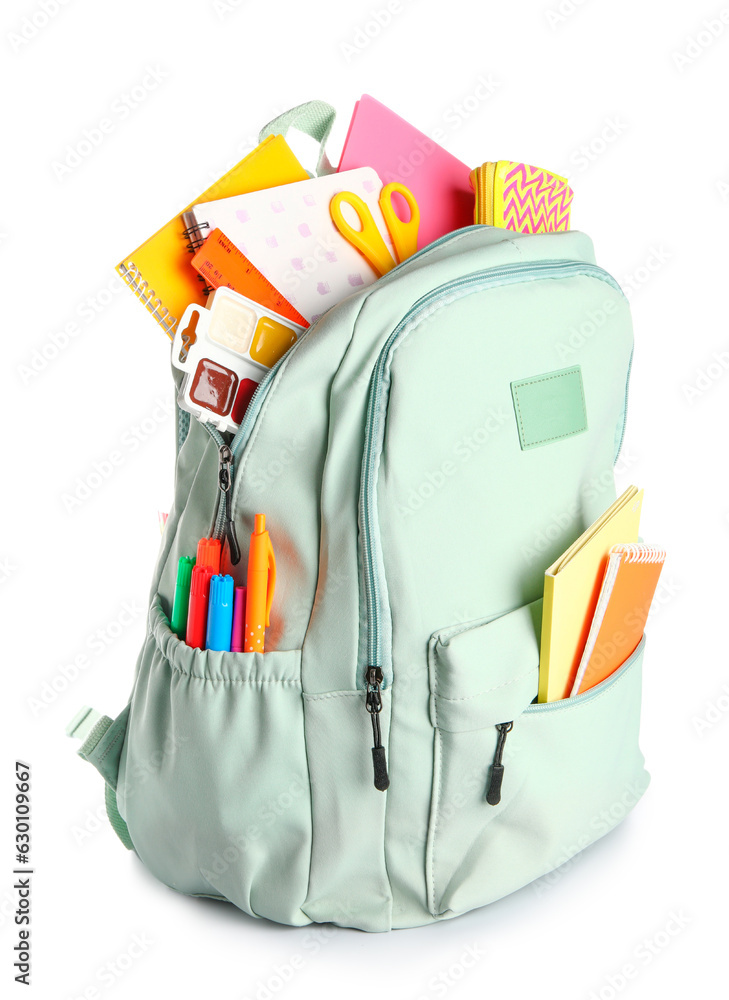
(225, 349)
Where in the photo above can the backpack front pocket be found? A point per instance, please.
(214, 782)
(571, 769)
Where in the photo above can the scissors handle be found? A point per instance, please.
(368, 239)
(404, 235)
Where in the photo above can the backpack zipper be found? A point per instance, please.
(493, 795)
(374, 433)
(224, 526)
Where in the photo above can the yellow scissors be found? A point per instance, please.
(367, 239)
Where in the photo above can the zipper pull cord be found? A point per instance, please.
(493, 795)
(373, 702)
(224, 484)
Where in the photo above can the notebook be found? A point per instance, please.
(159, 271)
(288, 234)
(521, 198)
(622, 608)
(379, 138)
(571, 589)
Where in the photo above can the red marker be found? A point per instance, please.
(197, 615)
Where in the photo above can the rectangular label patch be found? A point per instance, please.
(549, 407)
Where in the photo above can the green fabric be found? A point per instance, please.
(91, 742)
(249, 776)
(117, 823)
(315, 119)
(549, 407)
(103, 741)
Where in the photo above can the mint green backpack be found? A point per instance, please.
(422, 454)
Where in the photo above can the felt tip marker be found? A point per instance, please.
(261, 585)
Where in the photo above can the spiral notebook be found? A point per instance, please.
(159, 272)
(626, 593)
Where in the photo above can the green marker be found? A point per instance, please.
(182, 596)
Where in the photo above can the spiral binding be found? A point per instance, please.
(133, 277)
(195, 239)
(637, 552)
(194, 235)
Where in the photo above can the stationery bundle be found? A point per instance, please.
(596, 600)
(414, 705)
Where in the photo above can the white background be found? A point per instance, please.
(601, 92)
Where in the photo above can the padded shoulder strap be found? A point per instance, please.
(315, 119)
(102, 741)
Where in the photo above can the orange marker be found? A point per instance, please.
(261, 584)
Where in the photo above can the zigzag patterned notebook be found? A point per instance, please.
(522, 198)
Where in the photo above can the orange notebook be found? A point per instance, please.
(159, 272)
(622, 608)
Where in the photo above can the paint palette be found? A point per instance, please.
(224, 351)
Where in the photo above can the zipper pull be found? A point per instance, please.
(224, 483)
(493, 795)
(373, 702)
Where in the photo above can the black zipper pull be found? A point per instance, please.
(493, 795)
(373, 702)
(224, 483)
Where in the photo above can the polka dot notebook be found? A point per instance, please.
(288, 233)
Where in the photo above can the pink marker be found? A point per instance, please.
(239, 620)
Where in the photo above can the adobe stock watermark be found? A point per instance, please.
(556, 16)
(721, 184)
(88, 310)
(554, 531)
(300, 611)
(462, 110)
(34, 23)
(102, 469)
(282, 973)
(706, 377)
(642, 956)
(224, 7)
(288, 453)
(108, 975)
(264, 817)
(139, 770)
(378, 20)
(599, 824)
(587, 153)
(94, 646)
(7, 569)
(579, 334)
(93, 821)
(119, 110)
(654, 261)
(443, 981)
(462, 452)
(715, 711)
(695, 45)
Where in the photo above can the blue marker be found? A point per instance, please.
(220, 612)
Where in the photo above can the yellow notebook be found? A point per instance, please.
(159, 272)
(571, 591)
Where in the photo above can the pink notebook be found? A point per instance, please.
(381, 139)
